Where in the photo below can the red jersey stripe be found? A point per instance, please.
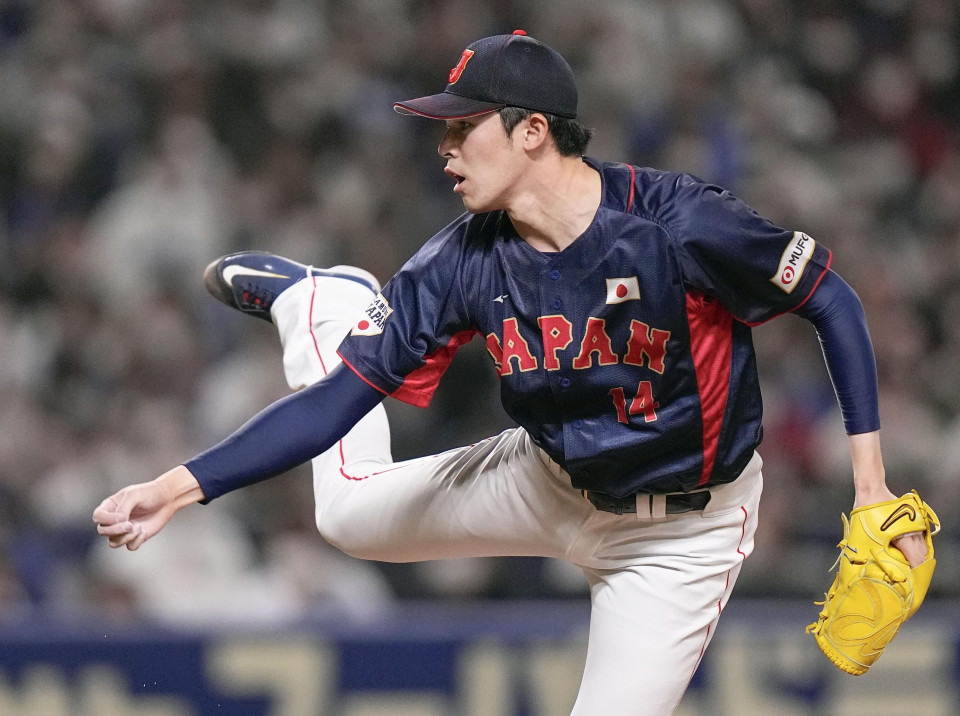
(711, 342)
(633, 183)
(419, 386)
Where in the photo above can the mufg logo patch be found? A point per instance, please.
(793, 261)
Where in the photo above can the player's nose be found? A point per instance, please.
(447, 146)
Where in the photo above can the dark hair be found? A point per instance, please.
(569, 135)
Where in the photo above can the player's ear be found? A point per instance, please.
(536, 131)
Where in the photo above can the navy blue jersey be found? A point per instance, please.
(628, 355)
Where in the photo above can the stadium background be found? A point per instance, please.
(139, 139)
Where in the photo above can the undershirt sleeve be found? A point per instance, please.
(836, 312)
(287, 433)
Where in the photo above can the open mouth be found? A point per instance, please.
(456, 177)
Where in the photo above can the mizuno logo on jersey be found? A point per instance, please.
(793, 261)
(623, 289)
(374, 318)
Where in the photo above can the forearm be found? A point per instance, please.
(837, 314)
(286, 434)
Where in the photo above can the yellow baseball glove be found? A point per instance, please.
(875, 590)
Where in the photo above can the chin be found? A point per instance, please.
(475, 206)
(472, 206)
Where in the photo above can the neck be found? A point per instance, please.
(557, 204)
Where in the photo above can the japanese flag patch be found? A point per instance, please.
(623, 289)
(793, 261)
(374, 318)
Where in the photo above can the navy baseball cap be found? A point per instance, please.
(503, 70)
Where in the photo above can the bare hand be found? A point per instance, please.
(134, 514)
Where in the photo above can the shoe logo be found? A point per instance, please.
(234, 270)
(499, 299)
(902, 511)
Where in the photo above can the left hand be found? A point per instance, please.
(912, 545)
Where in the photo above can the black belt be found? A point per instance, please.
(676, 502)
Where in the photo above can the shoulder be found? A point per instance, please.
(468, 234)
(654, 194)
(685, 204)
(669, 193)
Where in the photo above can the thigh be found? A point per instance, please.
(494, 498)
(652, 620)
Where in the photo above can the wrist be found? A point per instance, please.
(180, 487)
(872, 497)
(869, 476)
(870, 483)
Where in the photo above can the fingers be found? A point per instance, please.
(140, 537)
(913, 547)
(114, 529)
(109, 511)
(131, 538)
(114, 523)
(133, 515)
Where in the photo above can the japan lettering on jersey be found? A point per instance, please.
(627, 356)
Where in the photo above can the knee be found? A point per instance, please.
(346, 531)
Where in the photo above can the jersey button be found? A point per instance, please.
(578, 424)
(555, 274)
(564, 382)
(557, 304)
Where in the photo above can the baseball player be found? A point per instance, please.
(616, 303)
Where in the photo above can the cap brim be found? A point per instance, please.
(446, 106)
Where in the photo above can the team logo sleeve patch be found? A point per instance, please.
(793, 261)
(374, 318)
(620, 290)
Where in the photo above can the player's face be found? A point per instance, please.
(484, 162)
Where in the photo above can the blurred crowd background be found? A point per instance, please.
(140, 139)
